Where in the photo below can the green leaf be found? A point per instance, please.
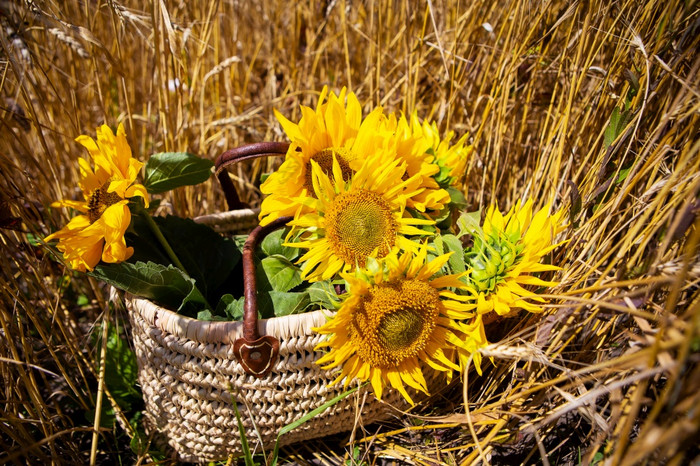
(33, 240)
(618, 122)
(208, 316)
(439, 245)
(457, 198)
(443, 177)
(121, 372)
(170, 170)
(272, 245)
(168, 286)
(208, 257)
(286, 303)
(623, 174)
(141, 443)
(107, 416)
(468, 223)
(456, 261)
(281, 273)
(323, 294)
(230, 307)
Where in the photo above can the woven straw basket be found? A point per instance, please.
(190, 377)
(191, 372)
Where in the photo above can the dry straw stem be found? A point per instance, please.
(610, 368)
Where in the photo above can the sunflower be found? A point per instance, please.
(334, 129)
(415, 149)
(505, 254)
(399, 313)
(350, 221)
(451, 159)
(99, 232)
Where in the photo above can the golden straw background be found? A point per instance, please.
(608, 374)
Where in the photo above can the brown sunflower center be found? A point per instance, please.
(400, 329)
(357, 223)
(395, 322)
(325, 160)
(99, 200)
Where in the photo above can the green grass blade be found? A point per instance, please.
(244, 441)
(310, 415)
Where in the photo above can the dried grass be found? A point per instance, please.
(611, 368)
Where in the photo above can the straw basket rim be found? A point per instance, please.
(226, 332)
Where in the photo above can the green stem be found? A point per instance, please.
(169, 250)
(164, 242)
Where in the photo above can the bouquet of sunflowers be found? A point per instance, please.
(376, 230)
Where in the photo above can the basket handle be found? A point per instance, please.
(238, 154)
(257, 354)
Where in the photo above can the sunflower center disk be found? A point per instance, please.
(357, 223)
(98, 202)
(325, 160)
(396, 322)
(399, 330)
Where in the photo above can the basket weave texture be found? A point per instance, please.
(190, 378)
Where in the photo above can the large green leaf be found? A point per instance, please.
(287, 303)
(272, 245)
(166, 285)
(281, 273)
(170, 170)
(208, 257)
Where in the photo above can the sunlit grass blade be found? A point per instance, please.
(307, 417)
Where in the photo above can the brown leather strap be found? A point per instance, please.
(257, 354)
(238, 154)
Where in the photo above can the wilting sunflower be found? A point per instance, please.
(350, 221)
(398, 315)
(505, 254)
(411, 145)
(334, 129)
(99, 232)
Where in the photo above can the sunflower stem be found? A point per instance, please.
(168, 249)
(164, 242)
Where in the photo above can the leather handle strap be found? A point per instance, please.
(257, 354)
(239, 154)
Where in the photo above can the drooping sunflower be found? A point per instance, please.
(399, 314)
(98, 234)
(505, 254)
(334, 129)
(411, 145)
(350, 221)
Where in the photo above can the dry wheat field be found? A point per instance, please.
(594, 105)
